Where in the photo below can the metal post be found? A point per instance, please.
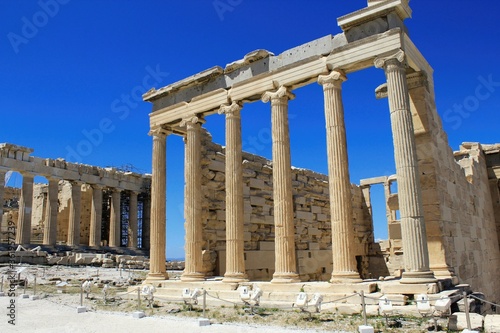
(138, 298)
(34, 286)
(204, 301)
(25, 284)
(1, 285)
(363, 304)
(466, 304)
(81, 294)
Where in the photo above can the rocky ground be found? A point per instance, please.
(58, 289)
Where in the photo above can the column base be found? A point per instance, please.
(193, 276)
(156, 277)
(418, 277)
(445, 272)
(235, 277)
(345, 277)
(285, 278)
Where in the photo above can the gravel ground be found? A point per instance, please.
(57, 312)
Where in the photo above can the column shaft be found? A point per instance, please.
(23, 233)
(285, 262)
(96, 216)
(416, 255)
(74, 215)
(193, 225)
(132, 220)
(115, 219)
(51, 210)
(344, 261)
(157, 269)
(235, 259)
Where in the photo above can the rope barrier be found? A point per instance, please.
(341, 299)
(482, 300)
(217, 297)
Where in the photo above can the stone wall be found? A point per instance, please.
(10, 211)
(312, 218)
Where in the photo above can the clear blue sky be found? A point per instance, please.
(84, 65)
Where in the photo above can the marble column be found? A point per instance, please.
(158, 232)
(2, 190)
(235, 259)
(132, 220)
(344, 260)
(414, 238)
(75, 214)
(96, 216)
(285, 260)
(193, 225)
(51, 210)
(23, 233)
(115, 219)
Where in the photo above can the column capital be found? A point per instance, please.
(160, 132)
(278, 94)
(97, 186)
(190, 121)
(230, 109)
(116, 189)
(334, 79)
(381, 61)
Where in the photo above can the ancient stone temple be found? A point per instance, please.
(447, 225)
(79, 205)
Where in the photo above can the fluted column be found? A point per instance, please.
(115, 219)
(51, 210)
(285, 260)
(416, 255)
(132, 220)
(23, 233)
(193, 225)
(74, 214)
(344, 261)
(235, 259)
(158, 232)
(96, 216)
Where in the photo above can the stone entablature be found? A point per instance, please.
(17, 158)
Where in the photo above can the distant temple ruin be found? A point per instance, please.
(80, 205)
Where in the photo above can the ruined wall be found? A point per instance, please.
(64, 196)
(10, 211)
(312, 218)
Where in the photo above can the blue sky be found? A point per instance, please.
(72, 73)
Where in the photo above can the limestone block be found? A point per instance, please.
(316, 210)
(217, 166)
(300, 200)
(321, 217)
(492, 323)
(304, 215)
(258, 183)
(458, 321)
(257, 201)
(266, 246)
